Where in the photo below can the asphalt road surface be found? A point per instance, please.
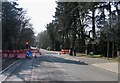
(52, 67)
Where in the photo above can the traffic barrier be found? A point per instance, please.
(39, 51)
(64, 51)
(18, 53)
(11, 53)
(0, 53)
(4, 54)
(33, 50)
(21, 54)
(36, 51)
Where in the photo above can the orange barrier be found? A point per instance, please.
(64, 51)
(36, 51)
(11, 53)
(0, 53)
(18, 53)
(4, 54)
(21, 54)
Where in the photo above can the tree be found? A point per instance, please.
(27, 36)
(13, 21)
(79, 22)
(42, 37)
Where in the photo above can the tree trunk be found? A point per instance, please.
(93, 28)
(118, 27)
(83, 38)
(93, 23)
(112, 49)
(107, 49)
(73, 39)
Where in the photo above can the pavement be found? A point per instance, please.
(97, 62)
(112, 66)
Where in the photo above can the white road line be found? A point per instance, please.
(3, 79)
(9, 66)
(32, 70)
(7, 69)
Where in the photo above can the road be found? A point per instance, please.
(53, 67)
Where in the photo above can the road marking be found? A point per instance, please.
(7, 69)
(2, 79)
(107, 66)
(9, 66)
(32, 70)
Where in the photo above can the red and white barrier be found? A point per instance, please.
(12, 54)
(4, 54)
(64, 51)
(18, 53)
(21, 54)
(36, 51)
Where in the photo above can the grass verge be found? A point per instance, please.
(97, 56)
(85, 55)
(81, 54)
(118, 59)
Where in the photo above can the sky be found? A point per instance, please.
(41, 12)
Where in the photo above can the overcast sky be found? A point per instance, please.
(40, 12)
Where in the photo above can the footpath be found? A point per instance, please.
(109, 65)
